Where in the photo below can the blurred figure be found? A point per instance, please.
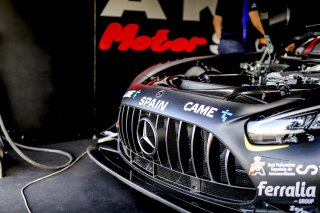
(303, 20)
(237, 24)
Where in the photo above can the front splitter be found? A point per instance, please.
(107, 156)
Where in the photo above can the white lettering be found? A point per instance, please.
(305, 201)
(281, 191)
(276, 188)
(281, 169)
(261, 187)
(203, 110)
(297, 209)
(186, 108)
(313, 169)
(116, 8)
(268, 191)
(153, 10)
(162, 105)
(299, 190)
(153, 103)
(147, 101)
(290, 190)
(200, 109)
(194, 108)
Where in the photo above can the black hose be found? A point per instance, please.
(15, 146)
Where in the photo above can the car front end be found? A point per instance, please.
(201, 140)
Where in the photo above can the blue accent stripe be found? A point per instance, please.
(245, 17)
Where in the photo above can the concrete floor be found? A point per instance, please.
(84, 187)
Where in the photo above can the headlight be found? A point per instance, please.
(285, 130)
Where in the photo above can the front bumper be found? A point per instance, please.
(107, 156)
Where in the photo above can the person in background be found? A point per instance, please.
(230, 23)
(303, 22)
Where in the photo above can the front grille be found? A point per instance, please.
(186, 156)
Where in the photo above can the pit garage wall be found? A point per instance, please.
(134, 35)
(46, 69)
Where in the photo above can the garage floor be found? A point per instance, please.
(84, 187)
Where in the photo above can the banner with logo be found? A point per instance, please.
(131, 36)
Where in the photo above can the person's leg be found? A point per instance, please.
(230, 46)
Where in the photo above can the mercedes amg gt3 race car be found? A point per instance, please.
(238, 132)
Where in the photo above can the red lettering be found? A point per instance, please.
(179, 44)
(115, 32)
(160, 43)
(127, 36)
(194, 42)
(141, 43)
(128, 39)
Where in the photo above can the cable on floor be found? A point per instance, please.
(57, 172)
(47, 176)
(15, 146)
(110, 136)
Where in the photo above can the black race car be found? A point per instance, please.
(238, 132)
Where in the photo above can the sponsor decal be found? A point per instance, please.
(127, 36)
(281, 169)
(305, 201)
(200, 109)
(127, 39)
(307, 169)
(259, 167)
(256, 167)
(153, 103)
(225, 115)
(131, 93)
(297, 209)
(300, 190)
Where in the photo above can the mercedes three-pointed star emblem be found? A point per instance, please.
(147, 136)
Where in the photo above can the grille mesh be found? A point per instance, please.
(187, 156)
